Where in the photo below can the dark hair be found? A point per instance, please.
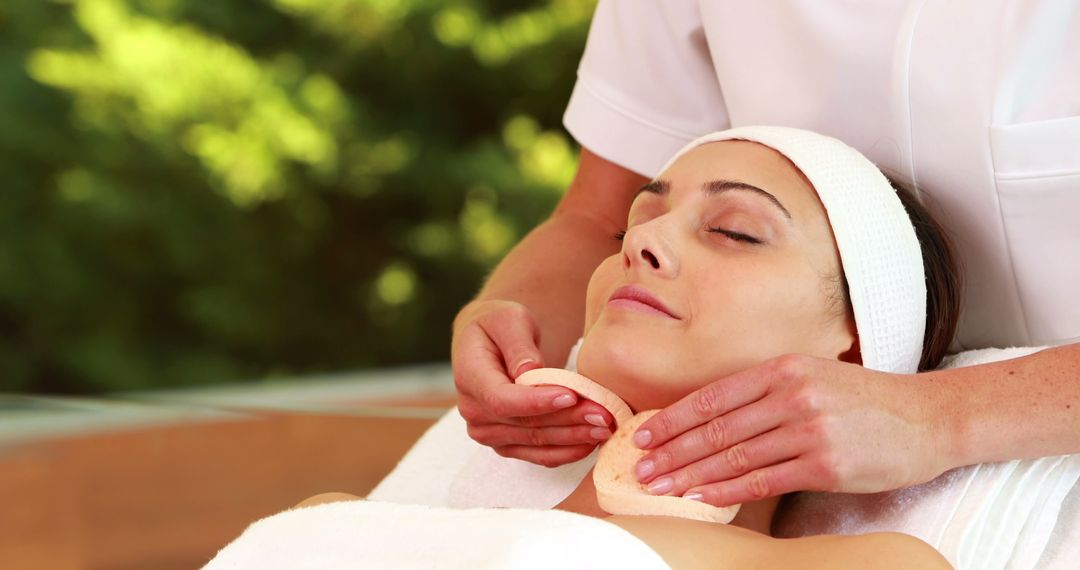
(941, 268)
(944, 281)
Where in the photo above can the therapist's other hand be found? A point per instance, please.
(495, 341)
(795, 423)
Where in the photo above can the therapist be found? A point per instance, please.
(977, 102)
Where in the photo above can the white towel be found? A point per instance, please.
(1012, 515)
(367, 534)
(447, 468)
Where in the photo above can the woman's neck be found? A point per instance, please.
(756, 516)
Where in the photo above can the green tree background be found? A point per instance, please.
(208, 191)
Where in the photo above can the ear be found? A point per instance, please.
(852, 354)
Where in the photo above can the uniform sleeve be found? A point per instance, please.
(646, 85)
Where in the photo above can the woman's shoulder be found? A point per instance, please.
(687, 544)
(880, 550)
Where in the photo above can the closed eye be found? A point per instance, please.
(736, 236)
(619, 235)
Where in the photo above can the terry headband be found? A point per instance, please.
(881, 257)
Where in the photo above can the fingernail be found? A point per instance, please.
(645, 468)
(661, 486)
(599, 433)
(596, 420)
(642, 438)
(564, 401)
(695, 497)
(522, 364)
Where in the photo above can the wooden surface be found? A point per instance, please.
(170, 496)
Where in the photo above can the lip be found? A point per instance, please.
(636, 297)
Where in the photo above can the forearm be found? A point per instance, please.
(1015, 409)
(549, 270)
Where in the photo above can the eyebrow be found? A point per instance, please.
(715, 187)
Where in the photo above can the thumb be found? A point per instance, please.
(516, 335)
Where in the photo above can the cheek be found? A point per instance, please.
(755, 313)
(603, 279)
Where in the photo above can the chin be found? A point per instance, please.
(632, 367)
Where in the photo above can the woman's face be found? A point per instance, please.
(734, 247)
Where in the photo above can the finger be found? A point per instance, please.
(772, 481)
(510, 401)
(712, 437)
(768, 449)
(494, 435)
(584, 412)
(477, 363)
(509, 404)
(480, 376)
(516, 336)
(547, 456)
(702, 405)
(482, 384)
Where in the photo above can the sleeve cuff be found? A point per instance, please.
(618, 135)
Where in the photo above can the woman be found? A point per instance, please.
(728, 260)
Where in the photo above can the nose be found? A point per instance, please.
(646, 248)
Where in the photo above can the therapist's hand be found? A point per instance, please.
(796, 423)
(495, 341)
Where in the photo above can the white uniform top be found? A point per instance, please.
(976, 101)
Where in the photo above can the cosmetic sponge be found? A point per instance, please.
(617, 489)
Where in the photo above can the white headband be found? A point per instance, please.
(881, 256)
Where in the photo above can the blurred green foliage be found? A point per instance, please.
(203, 191)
